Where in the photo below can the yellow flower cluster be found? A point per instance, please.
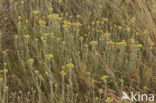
(63, 73)
(132, 40)
(150, 42)
(46, 34)
(139, 45)
(27, 36)
(76, 24)
(100, 91)
(42, 22)
(109, 100)
(41, 77)
(145, 31)
(81, 38)
(63, 67)
(133, 20)
(5, 63)
(70, 65)
(46, 73)
(31, 61)
(54, 16)
(105, 35)
(48, 56)
(93, 80)
(105, 19)
(104, 77)
(11, 1)
(96, 98)
(36, 72)
(35, 12)
(120, 27)
(77, 16)
(128, 29)
(100, 6)
(5, 88)
(86, 45)
(88, 73)
(1, 79)
(121, 80)
(110, 42)
(51, 82)
(122, 43)
(5, 70)
(67, 23)
(93, 43)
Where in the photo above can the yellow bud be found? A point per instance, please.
(94, 43)
(109, 100)
(1, 79)
(56, 85)
(36, 71)
(100, 91)
(104, 77)
(5, 70)
(63, 67)
(81, 38)
(77, 16)
(40, 77)
(70, 65)
(62, 73)
(119, 27)
(46, 73)
(100, 6)
(122, 80)
(51, 82)
(26, 36)
(31, 61)
(86, 45)
(96, 98)
(132, 40)
(49, 56)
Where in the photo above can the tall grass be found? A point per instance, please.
(76, 51)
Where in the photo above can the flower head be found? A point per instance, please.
(94, 43)
(62, 73)
(27, 36)
(122, 43)
(96, 98)
(63, 67)
(31, 61)
(104, 77)
(51, 82)
(86, 45)
(49, 56)
(41, 77)
(109, 100)
(5, 70)
(132, 40)
(122, 80)
(1, 79)
(110, 42)
(70, 65)
(81, 38)
(36, 71)
(120, 27)
(100, 91)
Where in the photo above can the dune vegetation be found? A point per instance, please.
(76, 51)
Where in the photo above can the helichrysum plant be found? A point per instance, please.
(71, 51)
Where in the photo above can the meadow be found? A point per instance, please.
(76, 51)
